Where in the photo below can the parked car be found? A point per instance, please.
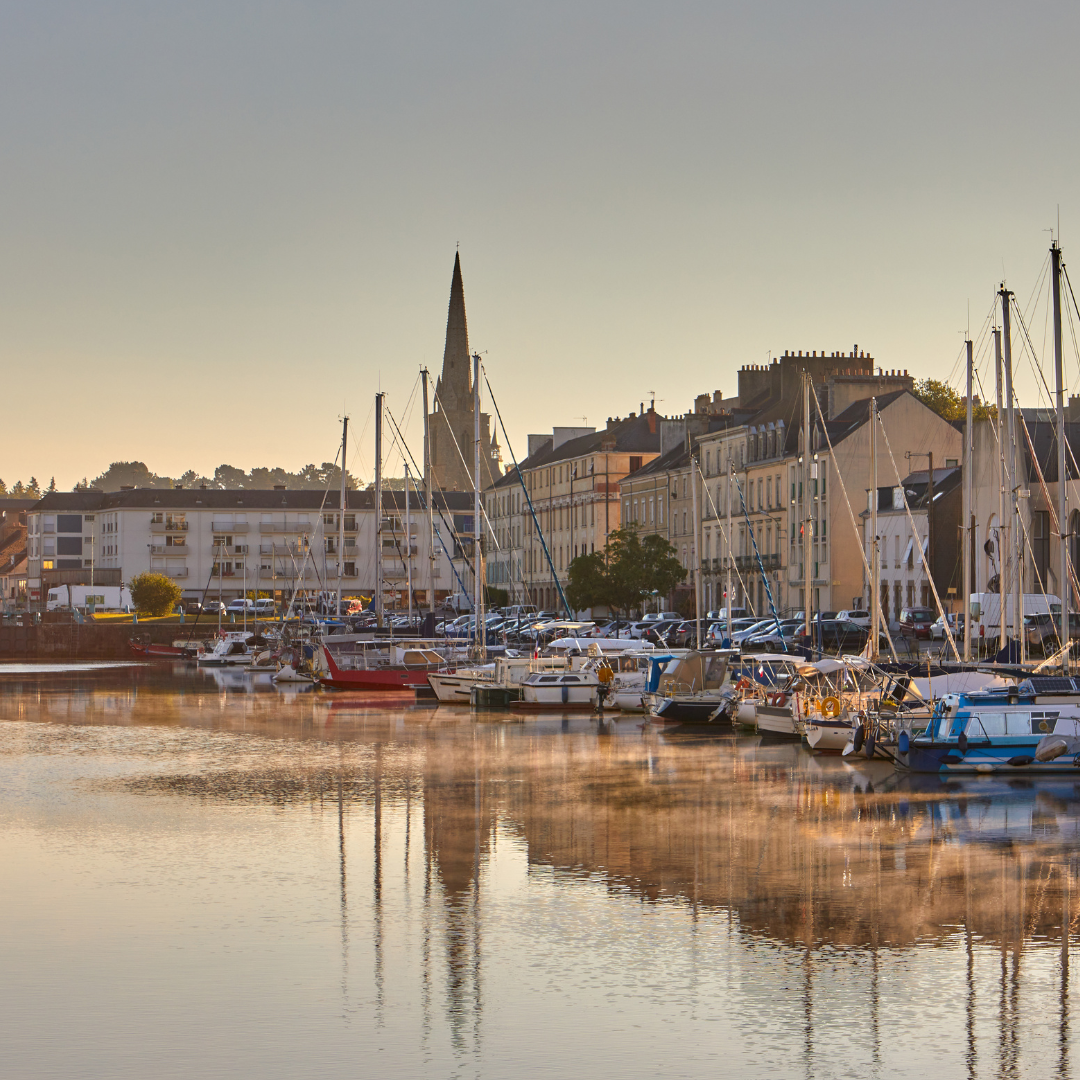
(915, 622)
(193, 607)
(956, 627)
(1041, 630)
(858, 615)
(773, 640)
(265, 605)
(835, 635)
(212, 607)
(238, 607)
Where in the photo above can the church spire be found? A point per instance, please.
(455, 386)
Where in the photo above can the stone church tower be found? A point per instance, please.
(452, 417)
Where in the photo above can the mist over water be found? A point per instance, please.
(203, 876)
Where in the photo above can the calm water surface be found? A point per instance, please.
(206, 877)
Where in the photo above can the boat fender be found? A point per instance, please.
(1020, 759)
(868, 746)
(1050, 748)
(904, 742)
(857, 741)
(962, 743)
(565, 694)
(830, 708)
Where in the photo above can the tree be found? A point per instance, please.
(948, 404)
(18, 491)
(629, 569)
(52, 484)
(3, 488)
(32, 489)
(134, 473)
(154, 594)
(588, 584)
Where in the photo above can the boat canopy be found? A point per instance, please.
(700, 671)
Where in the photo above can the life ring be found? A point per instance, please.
(830, 707)
(777, 701)
(743, 684)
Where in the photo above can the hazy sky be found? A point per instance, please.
(225, 223)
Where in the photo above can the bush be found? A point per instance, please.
(154, 594)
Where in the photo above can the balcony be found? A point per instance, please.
(749, 562)
(168, 549)
(299, 528)
(178, 572)
(168, 526)
(228, 526)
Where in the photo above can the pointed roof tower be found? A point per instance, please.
(455, 383)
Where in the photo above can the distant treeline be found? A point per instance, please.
(226, 477)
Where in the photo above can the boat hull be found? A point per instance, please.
(777, 721)
(945, 758)
(829, 736)
(689, 710)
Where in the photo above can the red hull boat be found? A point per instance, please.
(407, 677)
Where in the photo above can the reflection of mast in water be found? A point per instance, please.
(972, 1054)
(1066, 925)
(377, 919)
(344, 895)
(459, 830)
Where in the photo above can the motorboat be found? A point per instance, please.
(758, 678)
(1030, 727)
(557, 690)
(456, 684)
(178, 650)
(701, 690)
(379, 665)
(233, 649)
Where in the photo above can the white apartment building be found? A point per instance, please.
(227, 542)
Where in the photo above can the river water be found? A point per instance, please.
(205, 877)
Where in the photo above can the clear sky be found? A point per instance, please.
(225, 223)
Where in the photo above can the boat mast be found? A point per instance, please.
(1063, 476)
(808, 521)
(378, 511)
(1016, 549)
(427, 495)
(730, 550)
(875, 561)
(694, 472)
(408, 541)
(478, 534)
(969, 463)
(341, 513)
(1000, 474)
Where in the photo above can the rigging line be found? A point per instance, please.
(1072, 296)
(358, 439)
(727, 539)
(1055, 525)
(453, 533)
(918, 540)
(1036, 292)
(855, 527)
(757, 556)
(1034, 360)
(307, 547)
(1072, 335)
(528, 499)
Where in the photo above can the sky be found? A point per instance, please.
(224, 225)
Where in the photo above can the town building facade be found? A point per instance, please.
(228, 543)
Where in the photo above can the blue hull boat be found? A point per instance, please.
(1033, 727)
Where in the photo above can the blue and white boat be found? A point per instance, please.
(1031, 727)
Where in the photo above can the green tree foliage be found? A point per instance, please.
(947, 403)
(129, 473)
(52, 484)
(33, 490)
(495, 597)
(18, 491)
(226, 478)
(154, 594)
(629, 569)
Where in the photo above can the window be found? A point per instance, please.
(635, 464)
(660, 509)
(768, 492)
(69, 523)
